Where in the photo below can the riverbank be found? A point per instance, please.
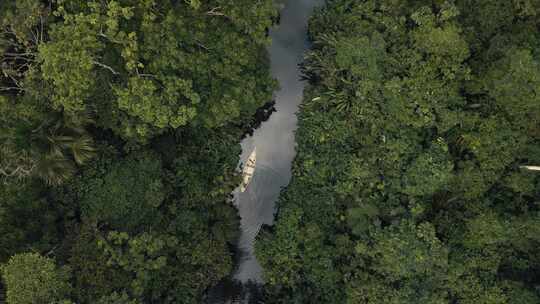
(406, 185)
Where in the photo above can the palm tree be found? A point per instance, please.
(82, 149)
(50, 152)
(54, 169)
(59, 145)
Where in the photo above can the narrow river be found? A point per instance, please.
(274, 143)
(274, 139)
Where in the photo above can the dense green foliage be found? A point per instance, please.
(119, 129)
(33, 279)
(128, 195)
(407, 186)
(120, 124)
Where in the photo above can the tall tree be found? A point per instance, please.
(33, 279)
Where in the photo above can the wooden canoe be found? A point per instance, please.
(249, 170)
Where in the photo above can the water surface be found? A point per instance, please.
(274, 139)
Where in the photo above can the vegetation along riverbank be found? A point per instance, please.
(120, 124)
(416, 171)
(407, 186)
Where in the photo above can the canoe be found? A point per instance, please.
(248, 171)
(531, 168)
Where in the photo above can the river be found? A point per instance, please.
(274, 139)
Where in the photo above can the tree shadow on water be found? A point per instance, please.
(256, 208)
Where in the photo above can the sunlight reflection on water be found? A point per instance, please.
(275, 144)
(274, 139)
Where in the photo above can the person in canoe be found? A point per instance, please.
(248, 171)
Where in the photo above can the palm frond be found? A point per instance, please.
(54, 170)
(82, 149)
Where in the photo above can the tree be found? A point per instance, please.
(405, 264)
(52, 156)
(117, 298)
(28, 220)
(33, 279)
(415, 122)
(92, 277)
(22, 30)
(124, 117)
(124, 194)
(429, 172)
(166, 267)
(124, 53)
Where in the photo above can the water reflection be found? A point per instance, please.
(275, 144)
(275, 138)
(256, 206)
